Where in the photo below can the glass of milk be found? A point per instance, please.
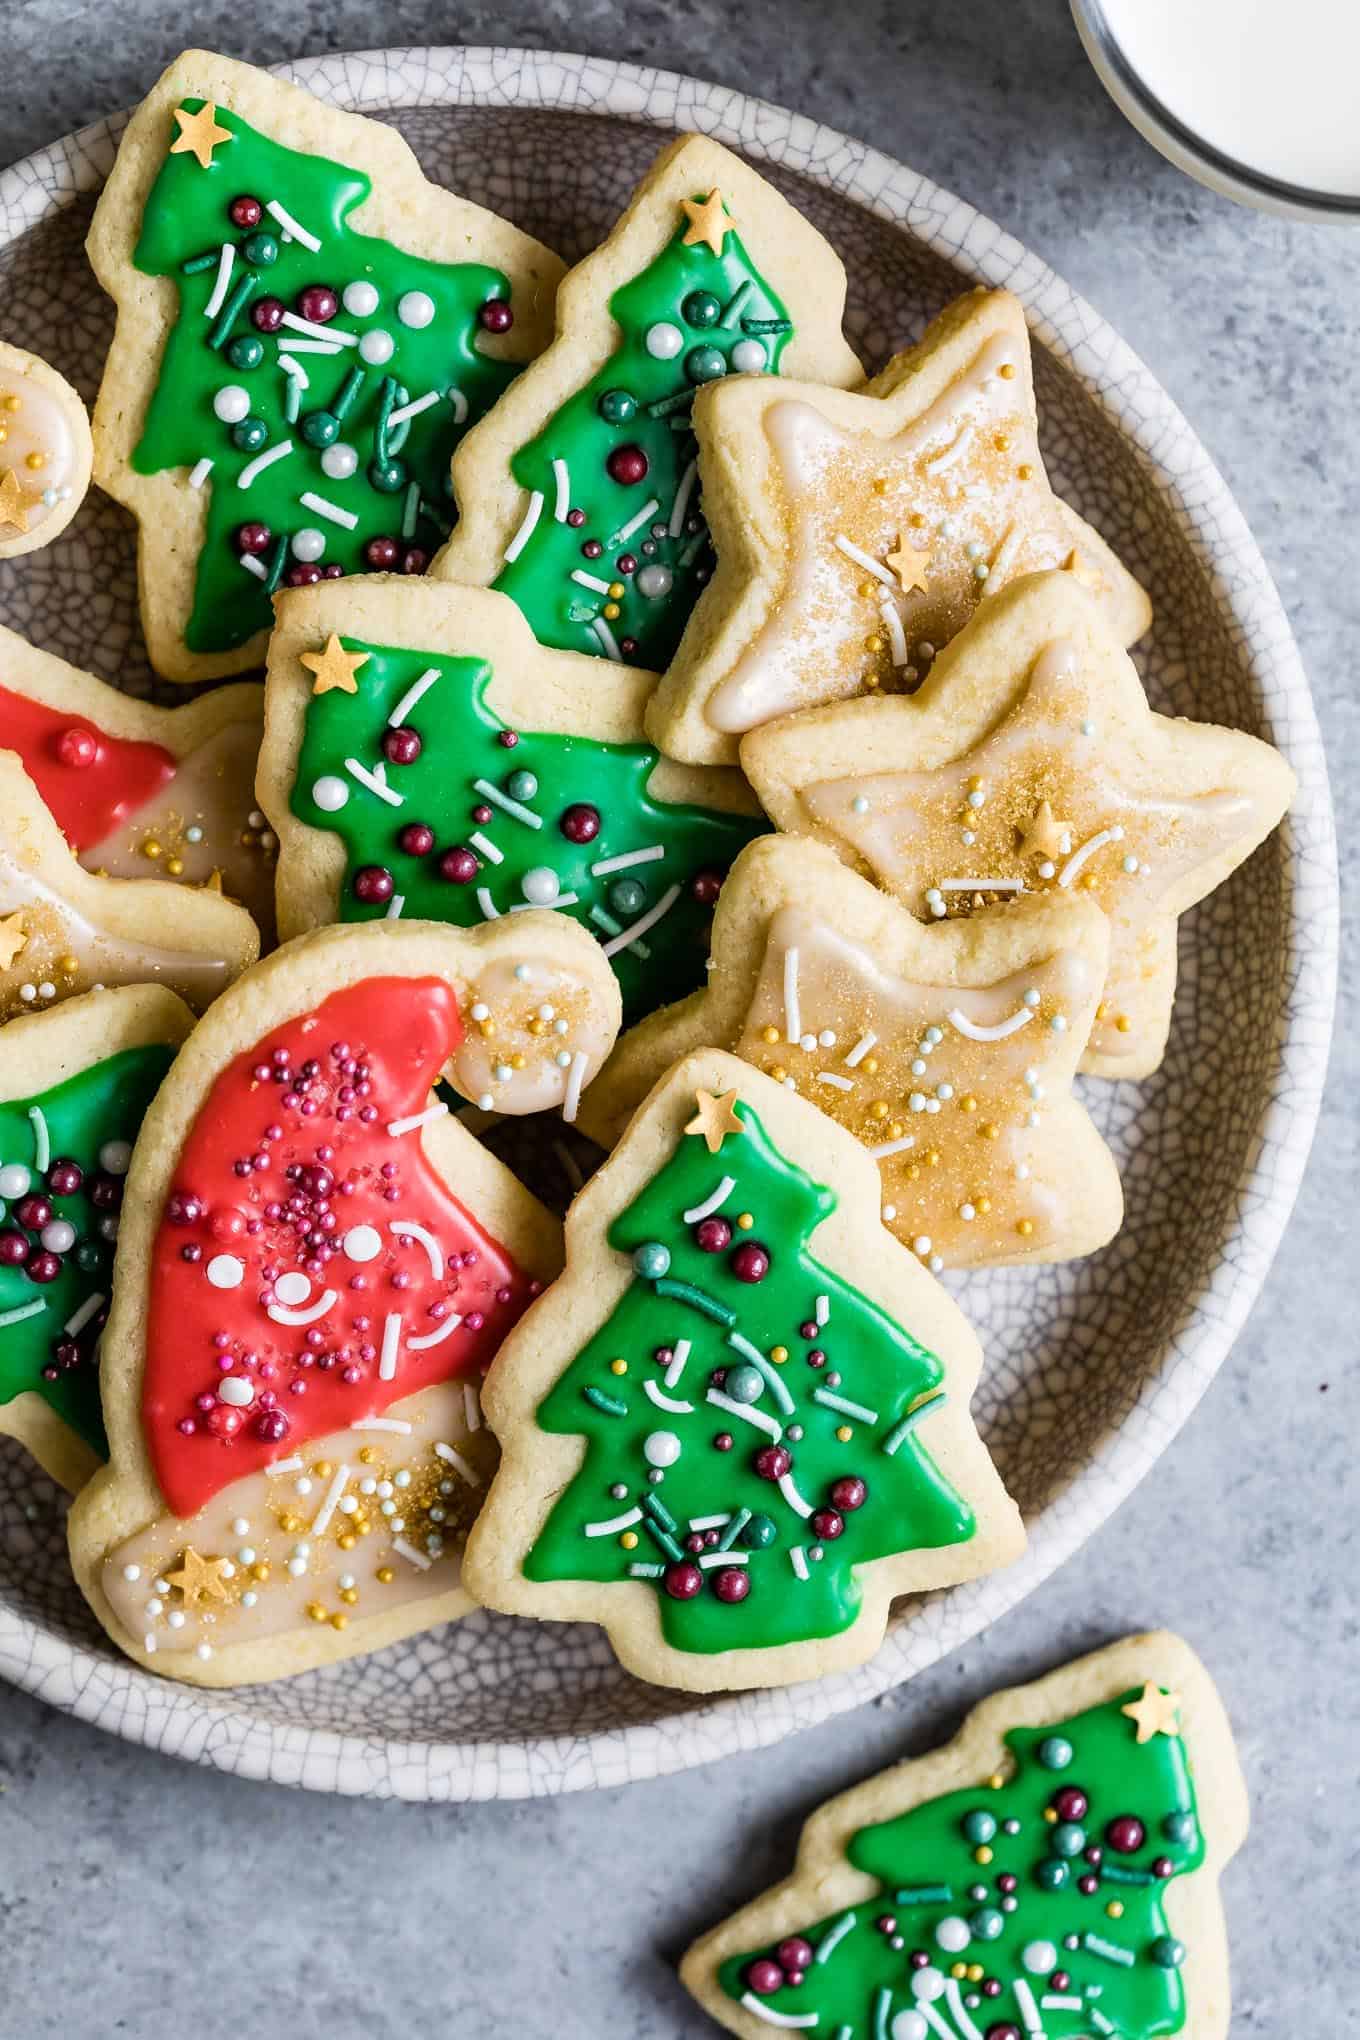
(1259, 99)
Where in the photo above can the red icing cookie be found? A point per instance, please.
(90, 780)
(288, 1296)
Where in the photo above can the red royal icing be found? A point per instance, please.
(86, 799)
(287, 1188)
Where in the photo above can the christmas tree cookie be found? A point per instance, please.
(580, 491)
(738, 1424)
(74, 1086)
(316, 1266)
(305, 328)
(857, 533)
(45, 452)
(1051, 1872)
(947, 1050)
(424, 757)
(65, 930)
(140, 791)
(1030, 763)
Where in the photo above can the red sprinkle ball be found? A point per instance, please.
(373, 884)
(495, 316)
(402, 746)
(245, 211)
(77, 747)
(773, 1462)
(416, 839)
(253, 538)
(705, 887)
(267, 314)
(318, 303)
(580, 822)
(627, 464)
(459, 864)
(850, 1493)
(381, 553)
(712, 1235)
(683, 1581)
(750, 1262)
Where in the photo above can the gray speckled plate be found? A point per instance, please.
(1093, 1367)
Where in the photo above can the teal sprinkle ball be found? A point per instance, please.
(652, 1259)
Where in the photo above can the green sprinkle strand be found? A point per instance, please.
(198, 263)
(925, 1894)
(734, 1529)
(610, 1404)
(732, 309)
(1115, 1873)
(663, 406)
(766, 325)
(656, 1508)
(912, 1419)
(277, 561)
(835, 1934)
(349, 390)
(226, 318)
(697, 1299)
(882, 2007)
(1109, 1951)
(663, 1538)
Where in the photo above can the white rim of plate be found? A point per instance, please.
(382, 81)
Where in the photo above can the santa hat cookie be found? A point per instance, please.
(65, 930)
(305, 327)
(45, 453)
(316, 1266)
(1030, 763)
(75, 1083)
(423, 755)
(1053, 1870)
(857, 532)
(948, 1050)
(140, 791)
(581, 491)
(738, 1424)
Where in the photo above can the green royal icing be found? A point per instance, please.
(880, 1368)
(461, 745)
(1122, 1973)
(186, 221)
(104, 1103)
(716, 306)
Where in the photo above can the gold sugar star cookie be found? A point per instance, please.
(715, 1118)
(13, 937)
(199, 134)
(198, 1579)
(814, 495)
(1034, 703)
(1045, 836)
(1155, 1712)
(15, 502)
(334, 667)
(709, 222)
(948, 1051)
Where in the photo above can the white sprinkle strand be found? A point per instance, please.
(981, 885)
(1088, 850)
(414, 693)
(608, 1526)
(380, 1424)
(606, 639)
(375, 780)
(462, 1467)
(254, 566)
(42, 1146)
(391, 1339)
(81, 1317)
(636, 521)
(897, 637)
(444, 1330)
(396, 1127)
(199, 472)
(646, 922)
(893, 1147)
(511, 807)
(677, 1365)
(311, 501)
(413, 409)
(798, 1561)
(321, 1521)
(487, 904)
(975, 1032)
(226, 262)
(527, 527)
(937, 464)
(834, 1078)
(1029, 2011)
(746, 1411)
(394, 907)
(763, 2011)
(627, 859)
(666, 1402)
(333, 335)
(408, 1551)
(294, 369)
(263, 460)
(793, 1017)
(571, 1096)
(713, 1202)
(562, 498)
(472, 1407)
(407, 1229)
(484, 845)
(684, 490)
(862, 559)
(789, 1491)
(591, 581)
(292, 226)
(860, 1050)
(822, 1309)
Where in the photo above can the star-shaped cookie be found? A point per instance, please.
(857, 533)
(948, 1051)
(949, 797)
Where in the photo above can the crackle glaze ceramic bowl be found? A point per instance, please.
(1092, 1368)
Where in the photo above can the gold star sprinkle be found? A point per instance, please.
(12, 939)
(1044, 837)
(1090, 577)
(14, 504)
(199, 1578)
(199, 134)
(213, 882)
(909, 567)
(708, 223)
(1154, 1712)
(716, 1118)
(335, 667)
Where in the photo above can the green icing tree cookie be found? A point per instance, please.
(63, 1155)
(752, 1422)
(316, 379)
(1028, 1904)
(447, 815)
(614, 550)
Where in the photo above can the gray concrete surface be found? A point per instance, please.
(140, 1897)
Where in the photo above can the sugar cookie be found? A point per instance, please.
(948, 1051)
(45, 452)
(1053, 1870)
(439, 764)
(74, 1085)
(729, 1453)
(581, 491)
(857, 532)
(140, 791)
(1029, 762)
(316, 1265)
(305, 326)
